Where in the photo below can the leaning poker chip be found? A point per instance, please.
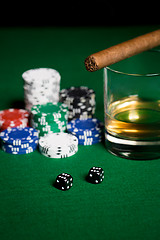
(18, 136)
(58, 145)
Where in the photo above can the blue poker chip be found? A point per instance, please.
(89, 142)
(89, 126)
(93, 137)
(87, 133)
(23, 145)
(20, 147)
(18, 150)
(18, 136)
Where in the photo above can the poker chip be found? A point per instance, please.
(80, 101)
(88, 132)
(87, 126)
(84, 137)
(10, 118)
(18, 150)
(89, 142)
(41, 85)
(49, 118)
(50, 110)
(17, 136)
(19, 140)
(58, 145)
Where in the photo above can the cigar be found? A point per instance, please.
(122, 51)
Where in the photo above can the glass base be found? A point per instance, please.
(135, 150)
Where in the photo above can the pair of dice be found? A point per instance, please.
(64, 181)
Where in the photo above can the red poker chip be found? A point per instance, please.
(13, 118)
(13, 115)
(19, 126)
(15, 123)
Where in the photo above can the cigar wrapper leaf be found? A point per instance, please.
(122, 51)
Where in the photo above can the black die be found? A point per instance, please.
(95, 175)
(64, 181)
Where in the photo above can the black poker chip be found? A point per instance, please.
(80, 101)
(77, 92)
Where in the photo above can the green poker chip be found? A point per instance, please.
(49, 110)
(49, 118)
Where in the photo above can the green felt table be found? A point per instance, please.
(126, 205)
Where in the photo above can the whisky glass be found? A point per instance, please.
(132, 107)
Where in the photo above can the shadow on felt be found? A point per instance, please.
(18, 103)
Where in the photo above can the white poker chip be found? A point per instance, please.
(41, 85)
(56, 140)
(41, 75)
(59, 153)
(58, 145)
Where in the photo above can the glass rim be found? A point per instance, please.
(154, 74)
(134, 74)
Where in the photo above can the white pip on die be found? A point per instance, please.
(95, 175)
(64, 181)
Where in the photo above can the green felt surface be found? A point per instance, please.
(126, 205)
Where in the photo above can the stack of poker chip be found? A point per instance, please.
(41, 85)
(19, 140)
(58, 145)
(10, 118)
(49, 118)
(88, 132)
(80, 101)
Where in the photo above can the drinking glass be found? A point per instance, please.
(132, 107)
